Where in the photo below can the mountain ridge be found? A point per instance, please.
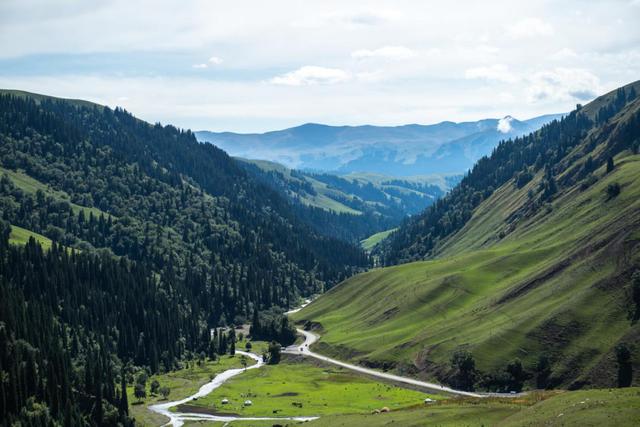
(403, 150)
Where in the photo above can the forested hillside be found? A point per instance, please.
(532, 270)
(350, 207)
(156, 239)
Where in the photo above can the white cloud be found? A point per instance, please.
(356, 19)
(504, 124)
(386, 52)
(312, 75)
(564, 54)
(497, 72)
(563, 84)
(553, 85)
(529, 27)
(214, 60)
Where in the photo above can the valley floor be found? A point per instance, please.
(301, 386)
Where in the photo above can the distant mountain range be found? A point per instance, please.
(442, 148)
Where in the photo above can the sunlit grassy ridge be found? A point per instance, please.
(368, 243)
(553, 283)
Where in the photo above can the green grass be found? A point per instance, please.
(617, 407)
(182, 383)
(476, 414)
(368, 243)
(295, 388)
(20, 236)
(546, 284)
(613, 407)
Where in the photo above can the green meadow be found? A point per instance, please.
(303, 388)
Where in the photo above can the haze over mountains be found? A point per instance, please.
(400, 151)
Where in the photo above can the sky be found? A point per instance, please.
(253, 66)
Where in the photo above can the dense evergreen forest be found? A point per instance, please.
(548, 149)
(157, 239)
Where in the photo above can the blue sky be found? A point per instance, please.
(255, 66)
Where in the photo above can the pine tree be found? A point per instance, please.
(123, 406)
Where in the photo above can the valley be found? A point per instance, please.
(149, 278)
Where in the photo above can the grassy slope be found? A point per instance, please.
(20, 236)
(617, 407)
(319, 390)
(368, 243)
(613, 407)
(487, 297)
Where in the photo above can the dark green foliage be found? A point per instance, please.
(613, 190)
(274, 353)
(635, 296)
(123, 405)
(139, 391)
(517, 375)
(625, 368)
(64, 319)
(155, 386)
(610, 164)
(272, 326)
(542, 371)
(165, 391)
(511, 378)
(523, 178)
(464, 370)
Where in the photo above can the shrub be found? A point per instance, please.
(613, 190)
